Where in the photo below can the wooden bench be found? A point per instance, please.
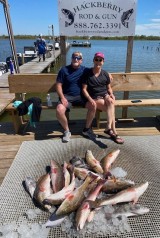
(30, 83)
(134, 82)
(125, 82)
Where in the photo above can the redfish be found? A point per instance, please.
(59, 197)
(73, 201)
(127, 195)
(108, 160)
(43, 190)
(92, 162)
(57, 176)
(84, 210)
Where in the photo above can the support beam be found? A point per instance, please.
(10, 33)
(128, 70)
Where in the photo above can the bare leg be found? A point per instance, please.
(60, 113)
(90, 114)
(109, 108)
(110, 116)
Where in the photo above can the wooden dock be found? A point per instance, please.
(10, 142)
(34, 67)
(37, 67)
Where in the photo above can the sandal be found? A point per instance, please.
(114, 137)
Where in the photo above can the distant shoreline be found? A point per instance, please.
(136, 37)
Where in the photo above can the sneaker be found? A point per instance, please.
(89, 133)
(66, 136)
(39, 59)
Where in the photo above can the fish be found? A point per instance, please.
(108, 160)
(66, 173)
(78, 162)
(125, 17)
(93, 163)
(69, 15)
(127, 195)
(30, 185)
(113, 185)
(81, 173)
(57, 176)
(73, 201)
(55, 220)
(59, 197)
(43, 190)
(128, 211)
(84, 210)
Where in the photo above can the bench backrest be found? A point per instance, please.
(35, 83)
(32, 83)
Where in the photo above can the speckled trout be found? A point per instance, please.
(114, 185)
(127, 195)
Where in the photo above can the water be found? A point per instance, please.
(145, 58)
(5, 49)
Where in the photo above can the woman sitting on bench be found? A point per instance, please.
(97, 89)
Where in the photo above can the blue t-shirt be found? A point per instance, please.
(71, 80)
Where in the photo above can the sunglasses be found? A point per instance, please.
(98, 60)
(76, 57)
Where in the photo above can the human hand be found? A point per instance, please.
(64, 101)
(109, 99)
(112, 96)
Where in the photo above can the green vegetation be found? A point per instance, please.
(136, 37)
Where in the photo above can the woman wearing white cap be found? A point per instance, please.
(97, 89)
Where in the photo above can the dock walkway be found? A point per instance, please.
(34, 67)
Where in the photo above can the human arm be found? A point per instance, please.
(110, 96)
(60, 94)
(110, 76)
(86, 94)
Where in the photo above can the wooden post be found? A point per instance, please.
(128, 70)
(63, 49)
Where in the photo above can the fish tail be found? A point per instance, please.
(66, 24)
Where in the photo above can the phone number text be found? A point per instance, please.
(97, 25)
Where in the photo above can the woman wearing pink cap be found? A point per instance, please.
(97, 89)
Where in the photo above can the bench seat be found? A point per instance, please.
(122, 82)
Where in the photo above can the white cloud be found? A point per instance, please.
(148, 29)
(155, 20)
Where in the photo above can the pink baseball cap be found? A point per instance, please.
(99, 54)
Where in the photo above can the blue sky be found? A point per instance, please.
(35, 16)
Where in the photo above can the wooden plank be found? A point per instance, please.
(31, 83)
(143, 103)
(5, 163)
(136, 81)
(11, 148)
